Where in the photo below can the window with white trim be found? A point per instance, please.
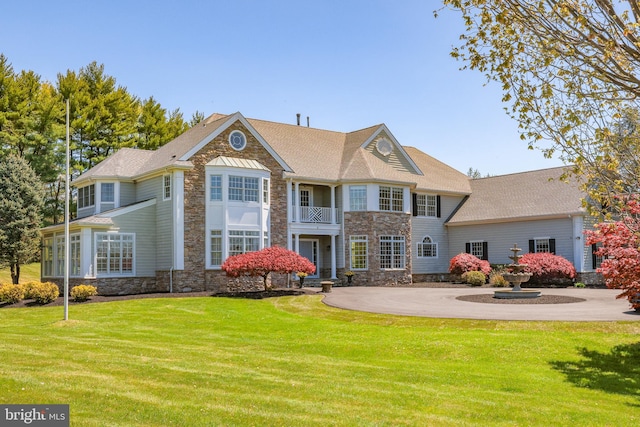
(359, 248)
(47, 257)
(426, 205)
(391, 199)
(477, 249)
(357, 197)
(541, 245)
(427, 248)
(265, 191)
(166, 181)
(243, 188)
(392, 252)
(215, 190)
(86, 196)
(216, 248)
(114, 253)
(107, 192)
(243, 241)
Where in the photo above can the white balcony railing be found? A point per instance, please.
(315, 214)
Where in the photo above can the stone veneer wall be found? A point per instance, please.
(374, 225)
(195, 277)
(116, 286)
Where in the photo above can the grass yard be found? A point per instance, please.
(28, 273)
(293, 361)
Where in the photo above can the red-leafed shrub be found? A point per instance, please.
(260, 263)
(620, 243)
(464, 262)
(547, 267)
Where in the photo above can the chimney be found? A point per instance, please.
(307, 121)
(298, 117)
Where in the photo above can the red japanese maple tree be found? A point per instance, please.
(260, 263)
(620, 249)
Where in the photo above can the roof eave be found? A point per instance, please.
(517, 219)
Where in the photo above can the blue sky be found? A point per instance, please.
(345, 64)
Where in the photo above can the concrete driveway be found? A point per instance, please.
(599, 304)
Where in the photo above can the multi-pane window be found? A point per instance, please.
(426, 205)
(86, 196)
(114, 253)
(541, 245)
(47, 257)
(265, 191)
(391, 199)
(215, 190)
(216, 247)
(243, 189)
(241, 242)
(358, 197)
(107, 192)
(59, 256)
(392, 252)
(427, 248)
(359, 252)
(166, 180)
(74, 255)
(477, 249)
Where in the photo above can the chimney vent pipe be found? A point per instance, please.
(298, 118)
(307, 121)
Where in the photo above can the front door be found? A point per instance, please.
(309, 250)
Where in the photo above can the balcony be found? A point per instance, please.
(316, 215)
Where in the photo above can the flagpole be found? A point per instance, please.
(67, 192)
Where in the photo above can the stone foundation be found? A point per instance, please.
(115, 286)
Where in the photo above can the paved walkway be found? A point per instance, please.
(600, 304)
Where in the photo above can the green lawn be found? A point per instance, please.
(294, 362)
(28, 273)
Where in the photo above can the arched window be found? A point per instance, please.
(427, 248)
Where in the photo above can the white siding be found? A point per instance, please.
(502, 236)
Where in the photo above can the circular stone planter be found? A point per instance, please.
(326, 286)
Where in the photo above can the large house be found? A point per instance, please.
(165, 220)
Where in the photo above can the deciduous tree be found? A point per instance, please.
(274, 259)
(569, 70)
(21, 195)
(619, 247)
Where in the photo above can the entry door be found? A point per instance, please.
(309, 250)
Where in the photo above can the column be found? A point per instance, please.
(333, 257)
(333, 206)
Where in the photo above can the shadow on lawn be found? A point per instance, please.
(615, 372)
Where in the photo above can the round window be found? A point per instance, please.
(237, 140)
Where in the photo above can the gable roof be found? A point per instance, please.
(304, 153)
(520, 196)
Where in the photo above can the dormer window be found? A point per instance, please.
(107, 192)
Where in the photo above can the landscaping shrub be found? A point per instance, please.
(464, 262)
(474, 278)
(82, 293)
(496, 279)
(547, 267)
(30, 289)
(44, 293)
(10, 293)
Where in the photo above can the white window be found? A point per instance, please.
(359, 248)
(215, 192)
(392, 252)
(542, 245)
(426, 205)
(56, 254)
(358, 197)
(477, 249)
(391, 199)
(47, 257)
(59, 256)
(265, 191)
(216, 247)
(241, 242)
(166, 193)
(427, 248)
(243, 189)
(107, 192)
(114, 253)
(86, 196)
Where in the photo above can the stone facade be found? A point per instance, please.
(116, 285)
(374, 225)
(195, 276)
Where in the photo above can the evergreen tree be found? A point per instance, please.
(21, 202)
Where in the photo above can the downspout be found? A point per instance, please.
(171, 280)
